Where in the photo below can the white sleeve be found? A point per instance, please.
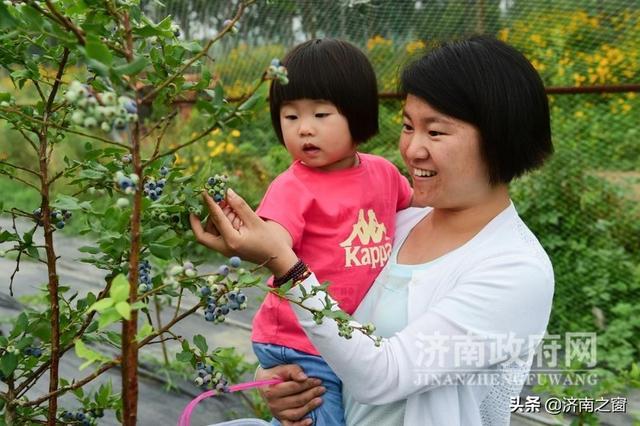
(485, 305)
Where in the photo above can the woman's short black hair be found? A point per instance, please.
(335, 71)
(487, 83)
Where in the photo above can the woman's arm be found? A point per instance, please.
(484, 311)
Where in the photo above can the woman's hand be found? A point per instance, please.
(253, 241)
(291, 400)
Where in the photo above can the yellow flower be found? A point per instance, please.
(578, 114)
(412, 46)
(538, 65)
(230, 148)
(536, 38)
(579, 79)
(216, 131)
(631, 95)
(376, 41)
(626, 108)
(503, 34)
(235, 133)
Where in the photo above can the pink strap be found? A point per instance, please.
(185, 418)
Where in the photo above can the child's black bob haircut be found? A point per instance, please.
(489, 84)
(335, 71)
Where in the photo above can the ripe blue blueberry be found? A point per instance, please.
(205, 291)
(241, 298)
(234, 261)
(37, 212)
(209, 316)
(223, 270)
(164, 171)
(217, 198)
(60, 224)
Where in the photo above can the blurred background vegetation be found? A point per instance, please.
(583, 205)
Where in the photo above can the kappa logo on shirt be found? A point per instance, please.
(368, 243)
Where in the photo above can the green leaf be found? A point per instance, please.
(89, 249)
(108, 317)
(8, 363)
(83, 351)
(66, 202)
(144, 331)
(119, 291)
(133, 67)
(103, 394)
(6, 20)
(192, 46)
(101, 305)
(160, 251)
(95, 49)
(20, 327)
(201, 343)
(184, 356)
(124, 310)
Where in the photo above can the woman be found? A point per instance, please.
(466, 295)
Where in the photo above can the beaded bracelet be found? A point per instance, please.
(295, 273)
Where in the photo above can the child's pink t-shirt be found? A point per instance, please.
(342, 226)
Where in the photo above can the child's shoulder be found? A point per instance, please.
(378, 161)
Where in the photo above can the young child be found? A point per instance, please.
(336, 206)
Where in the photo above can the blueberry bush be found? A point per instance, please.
(103, 76)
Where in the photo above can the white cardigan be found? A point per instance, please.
(499, 285)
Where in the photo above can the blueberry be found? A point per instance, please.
(37, 212)
(153, 196)
(234, 261)
(199, 365)
(60, 224)
(161, 183)
(232, 296)
(209, 369)
(131, 107)
(67, 416)
(28, 351)
(217, 198)
(223, 270)
(224, 309)
(209, 316)
(80, 416)
(275, 62)
(211, 181)
(37, 352)
(205, 291)
(241, 298)
(66, 214)
(164, 171)
(234, 305)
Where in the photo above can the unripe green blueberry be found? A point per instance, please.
(176, 270)
(90, 122)
(77, 117)
(122, 203)
(108, 97)
(190, 273)
(105, 126)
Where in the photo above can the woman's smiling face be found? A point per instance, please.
(443, 157)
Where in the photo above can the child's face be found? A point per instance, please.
(315, 133)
